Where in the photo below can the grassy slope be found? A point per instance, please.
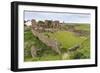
(83, 52)
(44, 53)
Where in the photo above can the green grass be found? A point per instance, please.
(44, 53)
(83, 52)
(85, 27)
(48, 57)
(66, 39)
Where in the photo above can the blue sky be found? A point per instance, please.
(62, 17)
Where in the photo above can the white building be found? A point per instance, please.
(28, 23)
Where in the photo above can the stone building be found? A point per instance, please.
(48, 23)
(56, 24)
(52, 24)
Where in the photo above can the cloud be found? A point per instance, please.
(66, 17)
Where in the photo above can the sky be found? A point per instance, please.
(66, 17)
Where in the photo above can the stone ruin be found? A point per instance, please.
(34, 24)
(33, 51)
(45, 25)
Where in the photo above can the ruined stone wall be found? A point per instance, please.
(33, 23)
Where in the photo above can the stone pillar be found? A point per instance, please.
(33, 23)
(33, 51)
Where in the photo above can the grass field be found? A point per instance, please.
(65, 38)
(83, 27)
